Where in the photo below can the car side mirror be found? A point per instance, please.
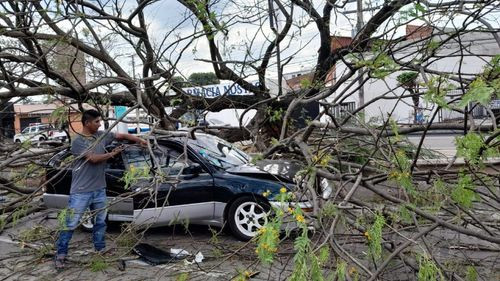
(193, 169)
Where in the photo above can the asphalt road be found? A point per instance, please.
(442, 143)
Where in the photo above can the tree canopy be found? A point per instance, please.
(376, 73)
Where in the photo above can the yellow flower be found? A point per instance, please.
(290, 210)
(367, 235)
(283, 190)
(300, 218)
(265, 194)
(352, 270)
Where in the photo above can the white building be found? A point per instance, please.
(478, 49)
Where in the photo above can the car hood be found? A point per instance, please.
(282, 169)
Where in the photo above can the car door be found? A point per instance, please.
(32, 133)
(183, 194)
(114, 175)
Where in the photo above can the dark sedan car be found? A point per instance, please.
(213, 183)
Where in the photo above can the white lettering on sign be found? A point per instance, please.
(213, 91)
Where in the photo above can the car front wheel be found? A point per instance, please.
(246, 216)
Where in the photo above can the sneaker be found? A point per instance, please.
(59, 262)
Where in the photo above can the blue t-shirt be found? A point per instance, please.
(87, 176)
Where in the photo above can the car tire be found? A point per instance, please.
(246, 216)
(86, 223)
(41, 138)
(18, 141)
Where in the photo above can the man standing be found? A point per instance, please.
(88, 184)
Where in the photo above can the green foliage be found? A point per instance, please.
(301, 270)
(469, 147)
(175, 102)
(328, 211)
(428, 271)
(401, 174)
(471, 273)
(404, 214)
(322, 158)
(407, 77)
(30, 171)
(381, 66)
(256, 158)
(214, 239)
(19, 213)
(464, 193)
(437, 88)
(203, 78)
(268, 240)
(275, 115)
(182, 277)
(432, 45)
(340, 271)
(34, 234)
(479, 91)
(63, 216)
(305, 83)
(59, 116)
(133, 174)
(324, 255)
(374, 236)
(274, 141)
(98, 263)
(243, 275)
(26, 145)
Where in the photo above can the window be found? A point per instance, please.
(219, 152)
(26, 130)
(171, 161)
(342, 110)
(139, 158)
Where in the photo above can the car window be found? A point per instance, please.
(32, 129)
(172, 161)
(43, 128)
(26, 130)
(219, 152)
(139, 158)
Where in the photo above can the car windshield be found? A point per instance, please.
(218, 152)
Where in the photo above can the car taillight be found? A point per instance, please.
(51, 133)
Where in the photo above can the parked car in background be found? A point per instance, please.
(40, 132)
(214, 184)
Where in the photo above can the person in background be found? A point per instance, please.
(88, 183)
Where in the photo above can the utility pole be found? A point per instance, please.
(359, 26)
(138, 83)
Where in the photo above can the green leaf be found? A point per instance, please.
(420, 8)
(464, 193)
(479, 92)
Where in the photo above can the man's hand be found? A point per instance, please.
(117, 150)
(143, 143)
(136, 139)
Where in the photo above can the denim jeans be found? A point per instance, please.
(78, 204)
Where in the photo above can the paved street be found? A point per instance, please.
(442, 143)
